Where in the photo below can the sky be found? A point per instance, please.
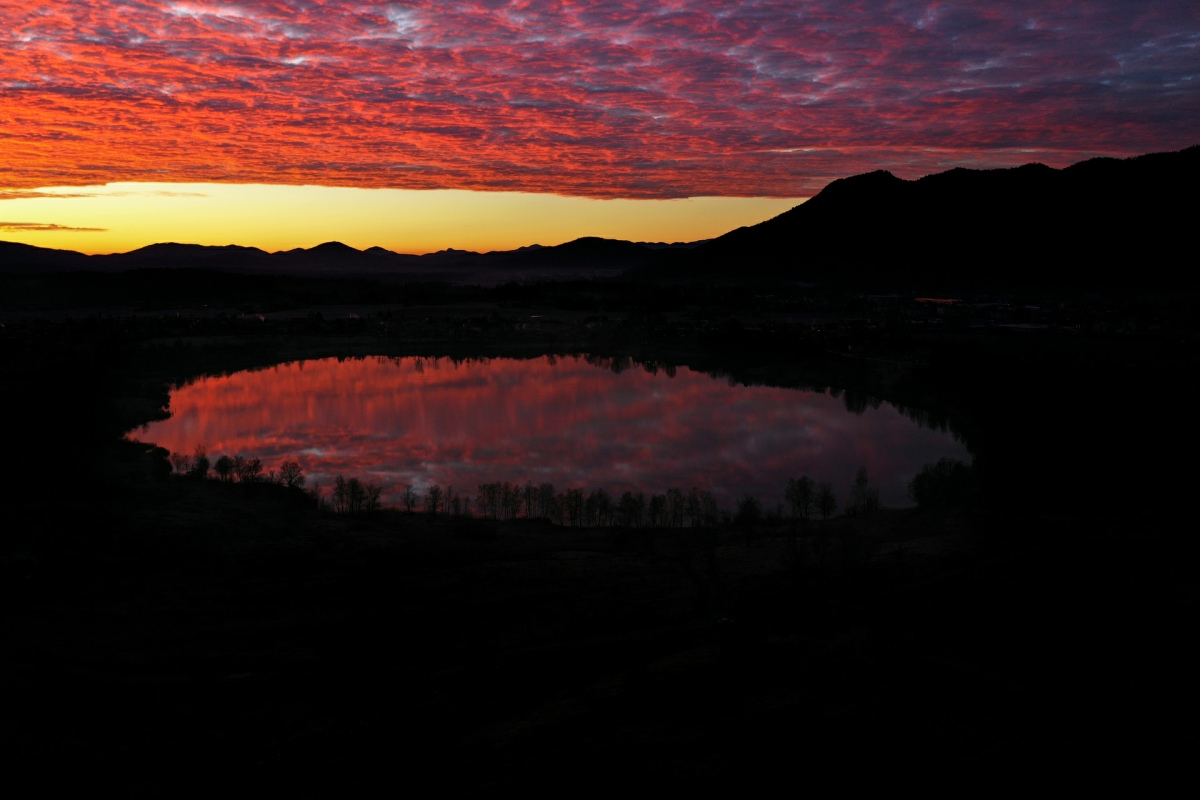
(284, 123)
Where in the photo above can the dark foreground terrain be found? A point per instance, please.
(167, 635)
(197, 635)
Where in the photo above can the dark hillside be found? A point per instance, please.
(1100, 223)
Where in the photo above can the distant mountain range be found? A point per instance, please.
(589, 257)
(1099, 222)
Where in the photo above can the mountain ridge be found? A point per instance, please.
(1095, 222)
(594, 256)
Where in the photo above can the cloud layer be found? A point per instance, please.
(604, 98)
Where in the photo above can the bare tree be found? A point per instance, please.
(674, 509)
(511, 497)
(801, 494)
(826, 500)
(693, 509)
(529, 495)
(559, 510)
(575, 506)
(657, 510)
(371, 494)
(291, 475)
(546, 495)
(433, 499)
(249, 470)
(749, 510)
(318, 499)
(630, 509)
(341, 495)
(604, 507)
(489, 499)
(349, 495)
(410, 499)
(180, 463)
(709, 511)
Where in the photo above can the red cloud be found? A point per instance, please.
(597, 98)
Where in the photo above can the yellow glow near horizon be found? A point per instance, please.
(119, 217)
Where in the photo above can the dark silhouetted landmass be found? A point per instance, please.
(586, 258)
(1099, 223)
(1102, 223)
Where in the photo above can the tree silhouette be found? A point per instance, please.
(433, 499)
(863, 499)
(657, 510)
(511, 497)
(949, 482)
(749, 511)
(631, 509)
(199, 468)
(371, 494)
(180, 463)
(693, 509)
(224, 468)
(826, 500)
(352, 496)
(291, 475)
(529, 496)
(249, 470)
(709, 511)
(674, 508)
(602, 506)
(801, 495)
(574, 509)
(546, 497)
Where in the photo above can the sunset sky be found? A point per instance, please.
(491, 124)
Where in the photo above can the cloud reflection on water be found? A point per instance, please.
(423, 421)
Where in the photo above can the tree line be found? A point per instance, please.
(235, 469)
(945, 483)
(673, 508)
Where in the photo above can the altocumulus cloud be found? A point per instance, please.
(599, 98)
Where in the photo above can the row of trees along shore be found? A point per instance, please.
(675, 508)
(348, 496)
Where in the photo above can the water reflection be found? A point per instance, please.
(424, 421)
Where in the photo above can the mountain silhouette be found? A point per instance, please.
(588, 257)
(17, 257)
(1096, 223)
(1104, 222)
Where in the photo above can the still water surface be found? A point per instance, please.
(422, 421)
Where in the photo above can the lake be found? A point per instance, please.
(571, 421)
